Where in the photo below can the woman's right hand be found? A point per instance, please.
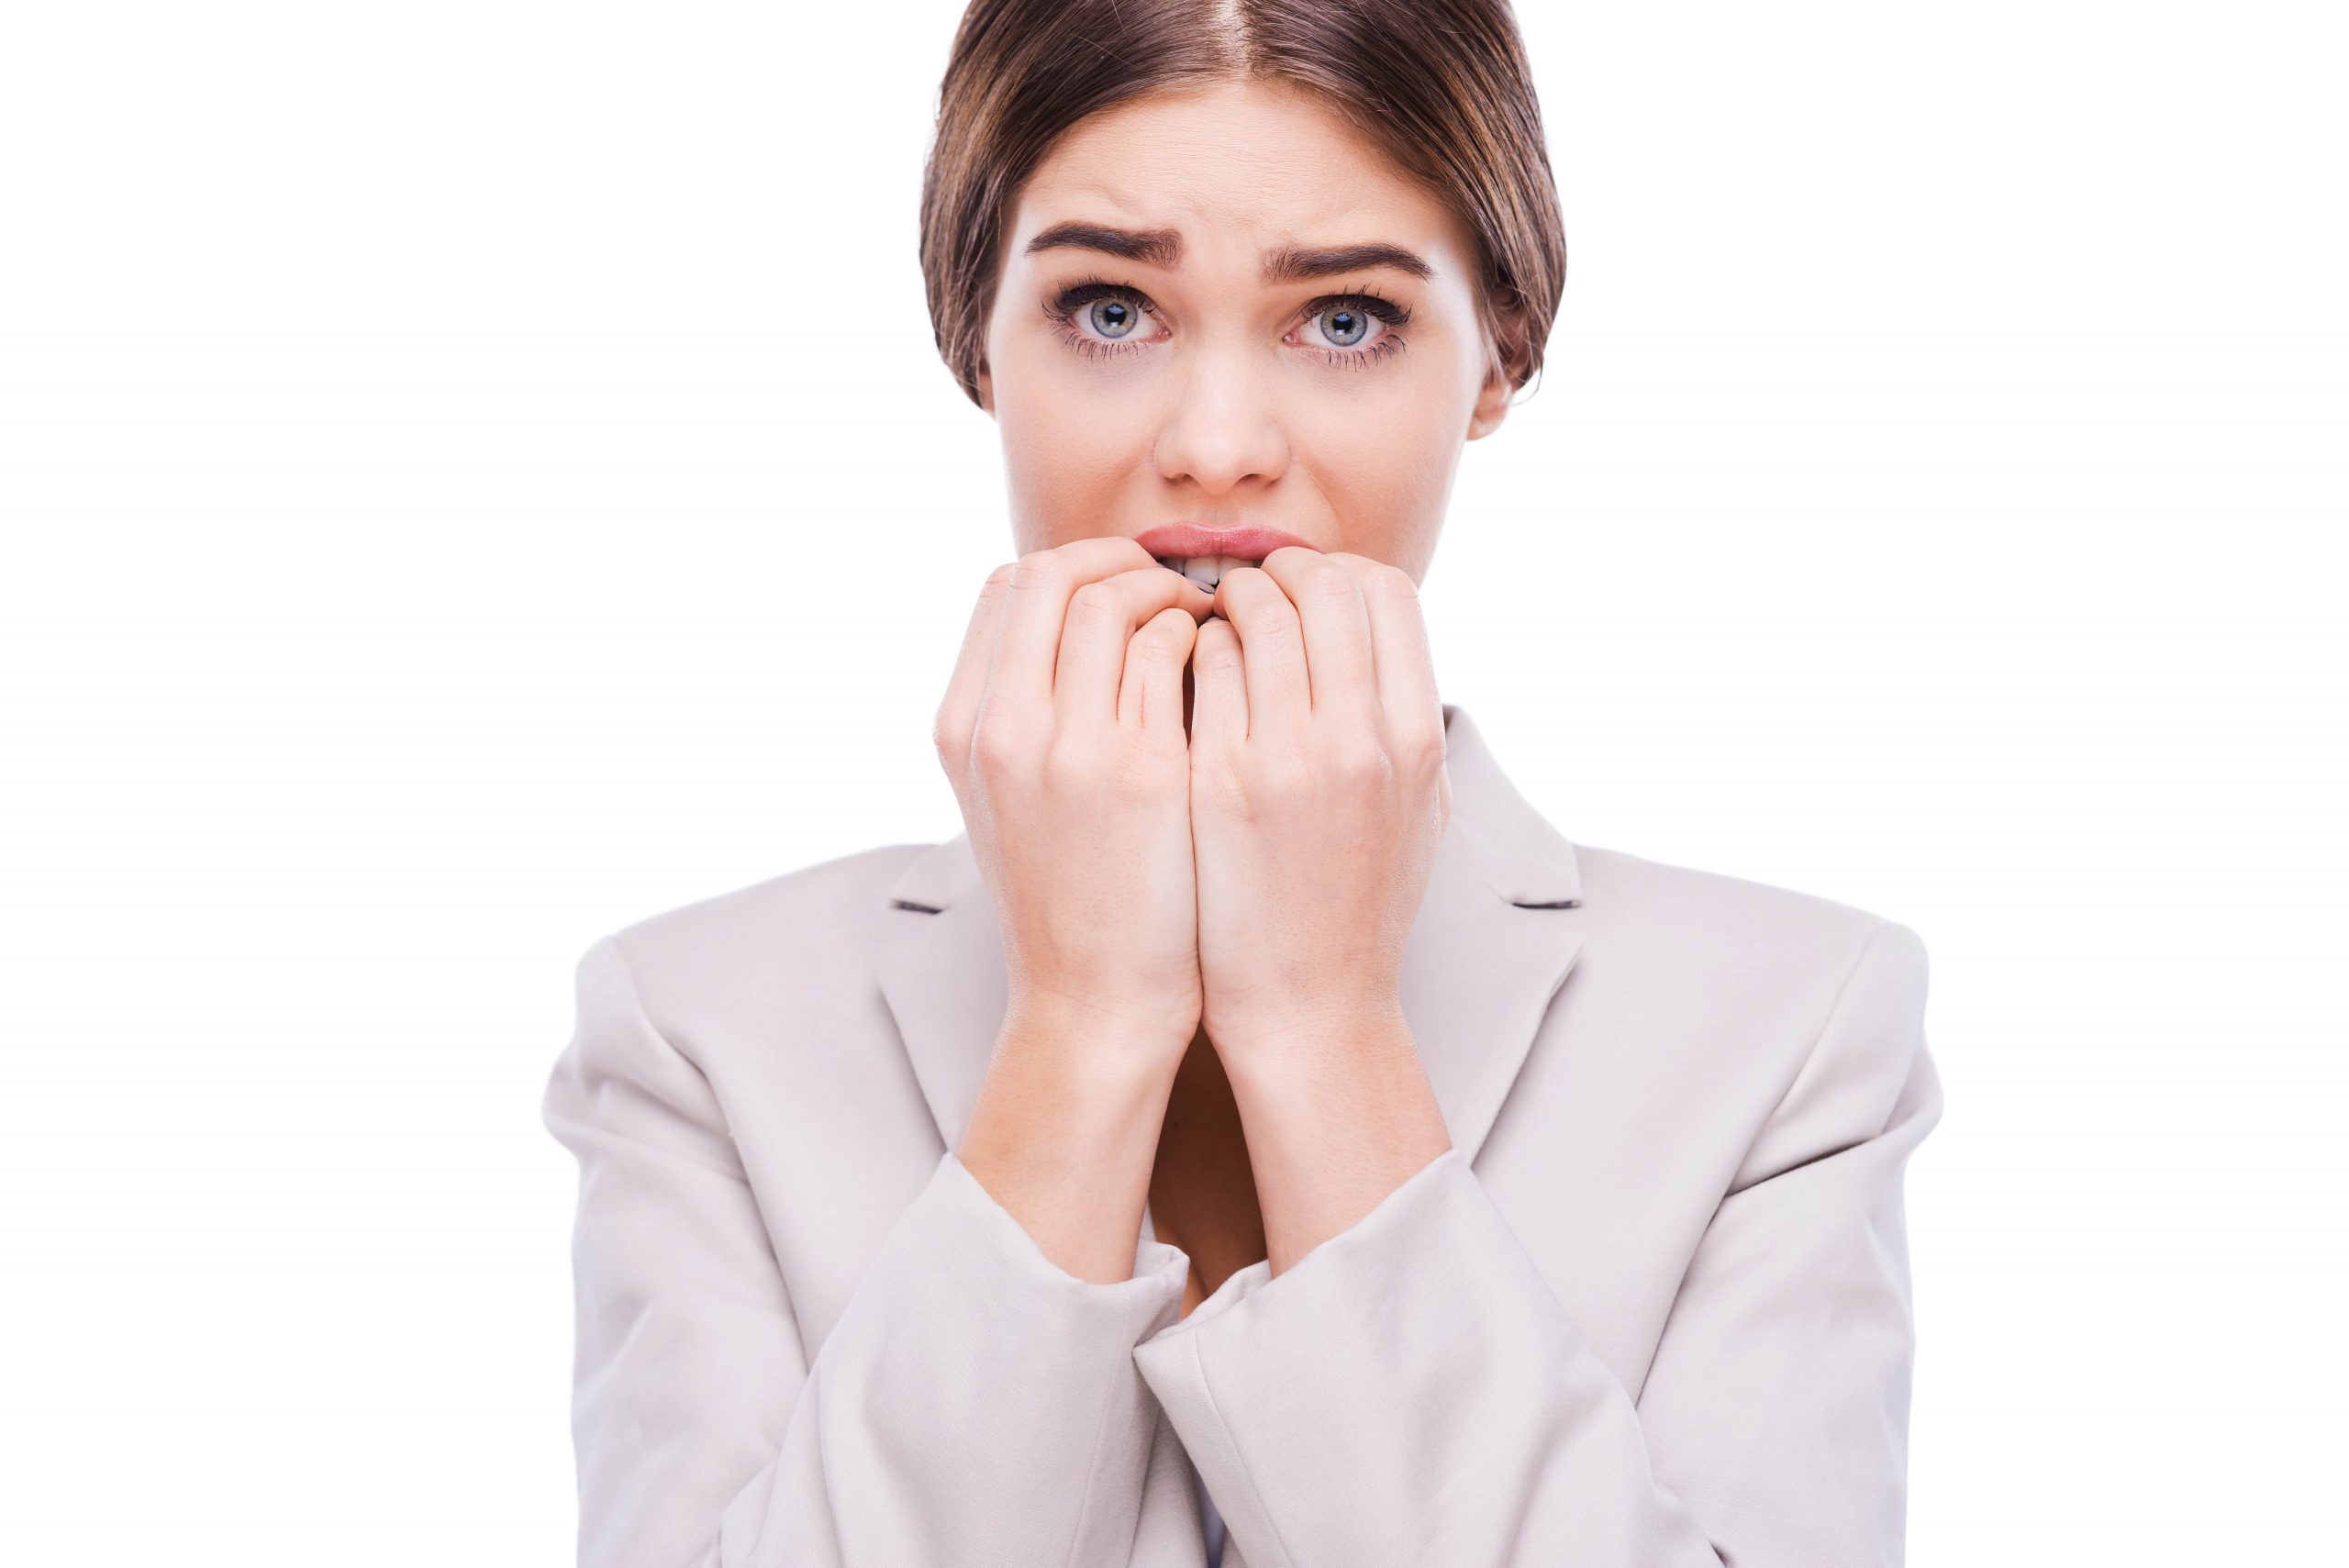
(1062, 733)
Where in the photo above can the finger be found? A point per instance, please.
(1270, 634)
(1341, 675)
(958, 710)
(1103, 617)
(1219, 686)
(1150, 697)
(1398, 638)
(1036, 607)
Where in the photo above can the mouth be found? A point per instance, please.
(1205, 554)
(1205, 570)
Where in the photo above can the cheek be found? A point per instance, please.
(1066, 456)
(1386, 472)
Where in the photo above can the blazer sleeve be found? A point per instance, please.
(1412, 1390)
(974, 1405)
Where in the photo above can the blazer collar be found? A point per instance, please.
(1494, 938)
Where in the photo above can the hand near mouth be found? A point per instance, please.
(1061, 733)
(1318, 791)
(1319, 796)
(1252, 871)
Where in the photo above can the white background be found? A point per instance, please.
(475, 474)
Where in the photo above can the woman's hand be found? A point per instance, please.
(1061, 731)
(1318, 797)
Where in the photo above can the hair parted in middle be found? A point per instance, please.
(1441, 86)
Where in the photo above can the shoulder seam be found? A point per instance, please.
(636, 997)
(1826, 1022)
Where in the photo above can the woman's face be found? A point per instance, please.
(1197, 380)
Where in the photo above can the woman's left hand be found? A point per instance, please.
(1318, 797)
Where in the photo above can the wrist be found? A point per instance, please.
(1336, 1119)
(1118, 1039)
(1316, 1091)
(1064, 1134)
(1305, 1034)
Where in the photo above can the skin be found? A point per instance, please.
(1207, 823)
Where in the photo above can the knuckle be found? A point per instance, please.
(1038, 569)
(1263, 617)
(1173, 623)
(997, 584)
(1098, 598)
(997, 750)
(1361, 761)
(947, 738)
(1160, 641)
(1380, 577)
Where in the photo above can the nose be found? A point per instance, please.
(1223, 426)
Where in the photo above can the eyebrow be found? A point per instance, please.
(1285, 263)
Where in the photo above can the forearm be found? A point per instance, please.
(1064, 1132)
(1336, 1119)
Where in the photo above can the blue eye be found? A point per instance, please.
(1112, 317)
(1345, 327)
(1097, 318)
(1111, 310)
(1344, 321)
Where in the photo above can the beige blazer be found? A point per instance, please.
(1650, 1310)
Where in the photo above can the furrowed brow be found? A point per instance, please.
(1292, 263)
(1287, 263)
(1158, 246)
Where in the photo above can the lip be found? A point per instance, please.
(1251, 542)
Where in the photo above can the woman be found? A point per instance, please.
(1259, 1137)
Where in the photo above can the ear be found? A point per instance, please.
(1492, 404)
(986, 385)
(1493, 398)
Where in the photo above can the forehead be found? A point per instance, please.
(1235, 168)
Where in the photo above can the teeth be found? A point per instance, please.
(1207, 570)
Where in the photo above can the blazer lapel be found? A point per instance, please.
(1495, 936)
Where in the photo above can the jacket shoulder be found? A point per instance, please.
(1708, 905)
(1740, 943)
(1804, 1012)
(782, 941)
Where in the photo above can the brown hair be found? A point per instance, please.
(1441, 85)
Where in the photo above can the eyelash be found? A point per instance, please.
(1061, 311)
